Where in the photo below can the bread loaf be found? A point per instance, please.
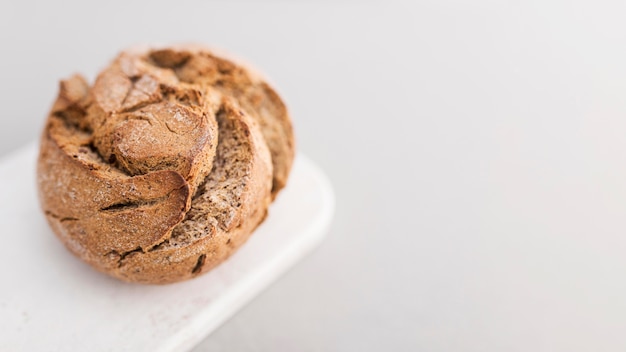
(166, 165)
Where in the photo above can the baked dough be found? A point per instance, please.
(165, 166)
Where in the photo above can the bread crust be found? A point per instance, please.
(153, 177)
(239, 79)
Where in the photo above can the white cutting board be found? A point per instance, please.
(51, 301)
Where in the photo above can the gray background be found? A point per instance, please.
(476, 150)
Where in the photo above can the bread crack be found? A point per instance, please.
(125, 206)
(199, 264)
(122, 255)
(60, 218)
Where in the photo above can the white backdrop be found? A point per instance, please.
(476, 149)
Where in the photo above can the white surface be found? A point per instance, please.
(477, 150)
(50, 301)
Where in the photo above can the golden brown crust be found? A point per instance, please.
(154, 177)
(200, 65)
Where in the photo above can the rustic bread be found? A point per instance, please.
(198, 65)
(165, 166)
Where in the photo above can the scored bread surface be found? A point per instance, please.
(166, 165)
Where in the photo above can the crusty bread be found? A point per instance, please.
(197, 65)
(165, 166)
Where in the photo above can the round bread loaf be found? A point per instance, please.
(166, 165)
